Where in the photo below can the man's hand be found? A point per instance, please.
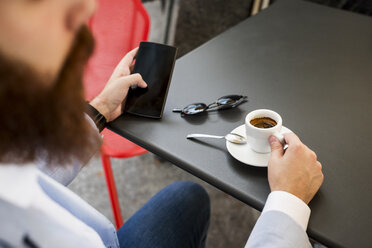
(296, 170)
(109, 101)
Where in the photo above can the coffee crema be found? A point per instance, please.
(263, 122)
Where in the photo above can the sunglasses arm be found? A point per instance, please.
(177, 110)
(244, 99)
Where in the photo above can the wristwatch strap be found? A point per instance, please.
(97, 117)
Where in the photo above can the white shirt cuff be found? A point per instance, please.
(289, 204)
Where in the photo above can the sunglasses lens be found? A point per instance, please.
(194, 108)
(228, 100)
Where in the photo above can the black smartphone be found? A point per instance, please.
(155, 63)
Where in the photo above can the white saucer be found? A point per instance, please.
(245, 154)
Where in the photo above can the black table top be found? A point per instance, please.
(312, 64)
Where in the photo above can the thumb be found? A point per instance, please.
(135, 80)
(276, 147)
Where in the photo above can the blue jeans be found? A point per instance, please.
(177, 216)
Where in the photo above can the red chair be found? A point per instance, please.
(118, 26)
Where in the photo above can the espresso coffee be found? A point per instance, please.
(263, 122)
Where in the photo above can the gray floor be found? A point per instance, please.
(139, 178)
(201, 20)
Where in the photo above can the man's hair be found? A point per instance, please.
(43, 117)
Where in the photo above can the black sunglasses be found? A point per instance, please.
(224, 102)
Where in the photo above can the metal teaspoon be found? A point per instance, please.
(232, 137)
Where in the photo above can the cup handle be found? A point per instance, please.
(280, 137)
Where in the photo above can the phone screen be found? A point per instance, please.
(155, 63)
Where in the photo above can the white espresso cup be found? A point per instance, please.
(258, 138)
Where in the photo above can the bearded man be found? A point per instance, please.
(45, 138)
(44, 46)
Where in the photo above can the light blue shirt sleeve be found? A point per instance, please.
(283, 223)
(64, 174)
(289, 204)
(81, 210)
(277, 229)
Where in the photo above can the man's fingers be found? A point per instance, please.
(276, 147)
(129, 57)
(134, 80)
(125, 63)
(319, 164)
(292, 139)
(131, 68)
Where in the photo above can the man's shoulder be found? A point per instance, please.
(18, 184)
(12, 228)
(33, 225)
